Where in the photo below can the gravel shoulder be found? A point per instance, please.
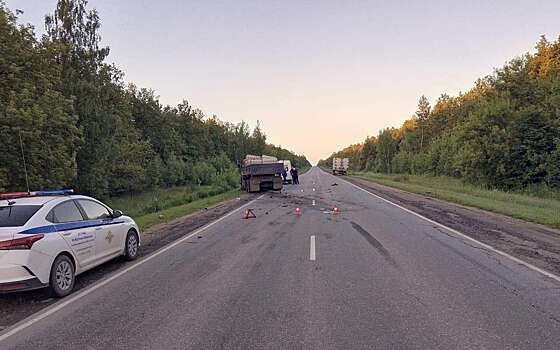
(17, 306)
(533, 243)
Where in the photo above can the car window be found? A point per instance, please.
(66, 212)
(16, 215)
(94, 210)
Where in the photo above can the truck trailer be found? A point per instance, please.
(340, 166)
(260, 173)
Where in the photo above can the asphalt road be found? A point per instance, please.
(377, 278)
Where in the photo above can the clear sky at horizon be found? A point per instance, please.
(319, 75)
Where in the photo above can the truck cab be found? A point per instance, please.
(287, 167)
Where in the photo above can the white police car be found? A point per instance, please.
(49, 237)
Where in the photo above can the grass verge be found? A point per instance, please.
(163, 205)
(167, 215)
(545, 211)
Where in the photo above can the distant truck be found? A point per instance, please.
(340, 166)
(261, 173)
(287, 167)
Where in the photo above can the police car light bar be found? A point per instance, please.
(14, 195)
(53, 193)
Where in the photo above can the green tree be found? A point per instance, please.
(33, 107)
(386, 150)
(422, 116)
(82, 127)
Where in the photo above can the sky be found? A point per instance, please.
(318, 75)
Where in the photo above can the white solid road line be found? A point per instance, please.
(312, 248)
(65, 302)
(464, 236)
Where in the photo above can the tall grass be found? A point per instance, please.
(154, 201)
(171, 213)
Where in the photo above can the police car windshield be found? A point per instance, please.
(16, 215)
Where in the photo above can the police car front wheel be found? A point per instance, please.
(62, 276)
(131, 245)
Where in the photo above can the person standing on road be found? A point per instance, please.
(295, 176)
(284, 175)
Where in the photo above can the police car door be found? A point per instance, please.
(107, 230)
(71, 225)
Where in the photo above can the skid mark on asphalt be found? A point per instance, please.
(374, 243)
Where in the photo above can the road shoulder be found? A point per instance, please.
(533, 243)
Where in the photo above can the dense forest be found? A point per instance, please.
(80, 125)
(504, 133)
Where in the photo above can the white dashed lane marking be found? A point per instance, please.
(312, 254)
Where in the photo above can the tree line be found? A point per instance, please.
(79, 125)
(504, 133)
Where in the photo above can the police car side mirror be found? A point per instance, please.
(117, 213)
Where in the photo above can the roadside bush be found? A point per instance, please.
(221, 163)
(203, 193)
(442, 155)
(227, 180)
(402, 163)
(421, 164)
(154, 173)
(174, 172)
(202, 173)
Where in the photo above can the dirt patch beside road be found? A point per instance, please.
(530, 242)
(17, 306)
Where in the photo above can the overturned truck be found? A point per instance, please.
(260, 173)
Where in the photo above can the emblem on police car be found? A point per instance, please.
(109, 237)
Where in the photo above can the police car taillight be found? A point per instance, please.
(20, 243)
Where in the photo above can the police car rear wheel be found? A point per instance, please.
(62, 276)
(131, 245)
